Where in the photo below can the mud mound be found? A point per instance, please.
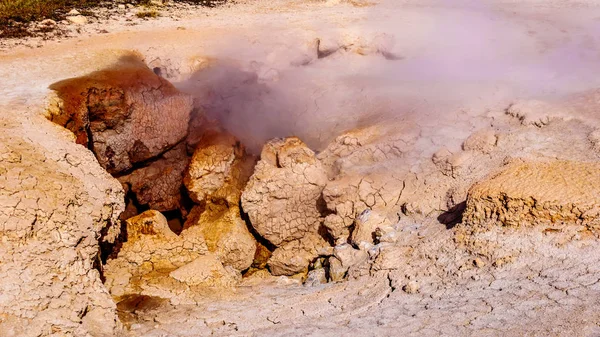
(283, 202)
(219, 169)
(282, 196)
(526, 193)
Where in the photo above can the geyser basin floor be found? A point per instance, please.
(458, 68)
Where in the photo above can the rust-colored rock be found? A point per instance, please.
(158, 185)
(125, 115)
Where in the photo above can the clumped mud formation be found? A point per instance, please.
(283, 202)
(219, 169)
(156, 262)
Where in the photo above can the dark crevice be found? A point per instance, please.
(375, 236)
(145, 163)
(111, 250)
(98, 264)
(175, 220)
(131, 197)
(391, 284)
(90, 139)
(186, 203)
(327, 268)
(453, 216)
(84, 312)
(324, 212)
(350, 231)
(324, 233)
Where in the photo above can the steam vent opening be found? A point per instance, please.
(201, 212)
(279, 168)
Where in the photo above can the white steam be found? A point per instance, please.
(412, 63)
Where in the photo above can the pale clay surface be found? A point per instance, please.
(282, 196)
(56, 201)
(424, 272)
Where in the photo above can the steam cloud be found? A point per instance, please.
(413, 64)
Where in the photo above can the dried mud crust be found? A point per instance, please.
(56, 201)
(424, 284)
(525, 193)
(282, 196)
(219, 168)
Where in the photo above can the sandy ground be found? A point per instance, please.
(435, 71)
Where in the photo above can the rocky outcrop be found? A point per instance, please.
(282, 198)
(56, 203)
(125, 115)
(527, 193)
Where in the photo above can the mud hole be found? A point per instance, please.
(205, 216)
(172, 158)
(323, 169)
